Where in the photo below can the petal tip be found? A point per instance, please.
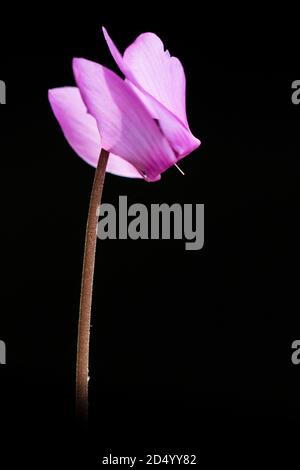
(76, 61)
(52, 95)
(106, 35)
(51, 91)
(77, 65)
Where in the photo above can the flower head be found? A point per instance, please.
(141, 120)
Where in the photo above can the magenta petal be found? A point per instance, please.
(158, 73)
(146, 63)
(81, 131)
(178, 135)
(125, 125)
(159, 81)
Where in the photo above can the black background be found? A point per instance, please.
(191, 351)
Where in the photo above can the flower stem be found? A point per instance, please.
(83, 341)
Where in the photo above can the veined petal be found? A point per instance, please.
(155, 70)
(125, 125)
(81, 131)
(159, 81)
(180, 137)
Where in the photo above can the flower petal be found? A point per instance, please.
(159, 81)
(81, 131)
(155, 70)
(125, 125)
(180, 137)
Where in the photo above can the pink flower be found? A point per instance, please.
(141, 120)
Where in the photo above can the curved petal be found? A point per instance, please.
(155, 70)
(81, 131)
(125, 125)
(159, 81)
(180, 137)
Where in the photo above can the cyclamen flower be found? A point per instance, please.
(141, 121)
(135, 127)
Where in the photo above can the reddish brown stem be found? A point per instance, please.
(83, 342)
